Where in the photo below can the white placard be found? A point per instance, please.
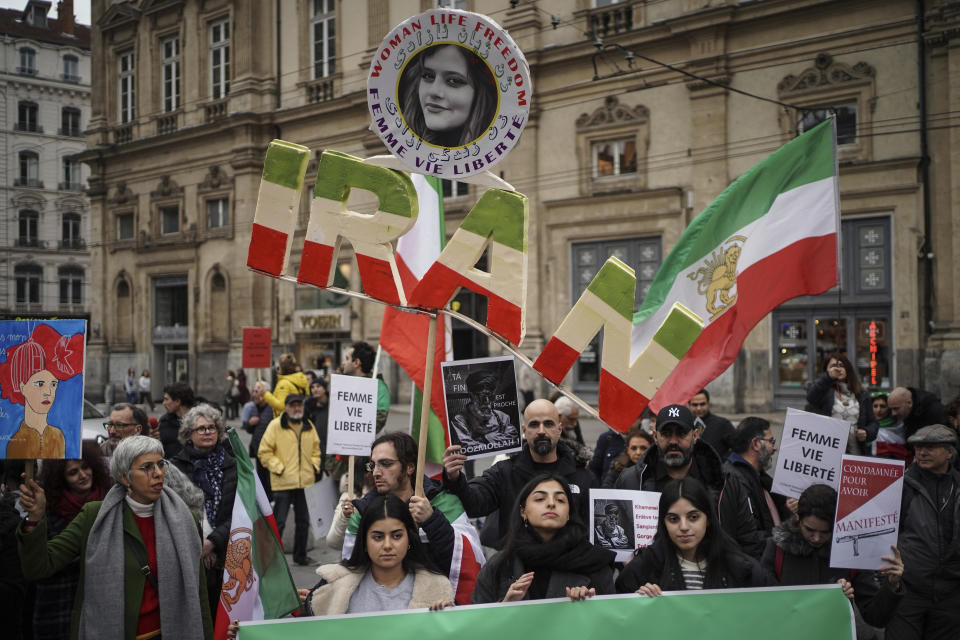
(352, 421)
(868, 512)
(622, 520)
(321, 502)
(810, 452)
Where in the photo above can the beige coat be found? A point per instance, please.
(333, 598)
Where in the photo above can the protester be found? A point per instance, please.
(125, 420)
(289, 381)
(953, 414)
(393, 465)
(139, 523)
(211, 467)
(715, 430)
(358, 361)
(690, 550)
(610, 444)
(230, 395)
(929, 539)
(497, 489)
(69, 485)
(362, 485)
(915, 408)
(255, 417)
(16, 607)
(316, 408)
(638, 442)
(890, 442)
(144, 384)
(290, 449)
(570, 429)
(799, 553)
(178, 398)
(130, 386)
(546, 553)
(747, 485)
(838, 394)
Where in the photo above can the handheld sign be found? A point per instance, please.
(868, 512)
(622, 520)
(352, 423)
(256, 347)
(483, 415)
(41, 388)
(810, 454)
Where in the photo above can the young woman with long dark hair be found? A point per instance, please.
(839, 394)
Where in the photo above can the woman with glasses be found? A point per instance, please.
(546, 553)
(69, 485)
(140, 523)
(210, 466)
(690, 550)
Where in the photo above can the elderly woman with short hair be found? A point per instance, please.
(140, 522)
(210, 466)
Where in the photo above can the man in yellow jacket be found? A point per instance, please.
(290, 449)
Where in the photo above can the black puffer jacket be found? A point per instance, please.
(801, 564)
(743, 489)
(657, 564)
(927, 409)
(930, 536)
(498, 487)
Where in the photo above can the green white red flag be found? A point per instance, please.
(257, 584)
(769, 237)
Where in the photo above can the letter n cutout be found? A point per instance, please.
(500, 219)
(607, 304)
(371, 235)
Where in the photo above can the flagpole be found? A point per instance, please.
(425, 403)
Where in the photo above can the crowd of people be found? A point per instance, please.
(153, 504)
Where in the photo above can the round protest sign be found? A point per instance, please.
(449, 93)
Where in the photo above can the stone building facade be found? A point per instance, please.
(635, 127)
(44, 214)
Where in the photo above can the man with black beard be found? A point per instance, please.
(497, 488)
(679, 453)
(748, 487)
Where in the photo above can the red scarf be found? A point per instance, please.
(70, 503)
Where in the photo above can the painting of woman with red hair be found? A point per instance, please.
(41, 364)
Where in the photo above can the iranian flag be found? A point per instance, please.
(404, 334)
(256, 580)
(769, 237)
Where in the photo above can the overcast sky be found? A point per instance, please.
(81, 8)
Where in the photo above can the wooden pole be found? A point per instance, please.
(351, 465)
(425, 405)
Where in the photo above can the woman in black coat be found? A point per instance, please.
(690, 550)
(546, 553)
(838, 394)
(210, 465)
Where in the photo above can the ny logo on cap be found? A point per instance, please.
(674, 412)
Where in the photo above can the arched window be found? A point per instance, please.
(27, 116)
(219, 312)
(123, 289)
(28, 278)
(71, 284)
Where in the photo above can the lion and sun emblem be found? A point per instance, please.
(718, 276)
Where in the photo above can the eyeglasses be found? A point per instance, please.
(205, 429)
(771, 440)
(118, 425)
(384, 464)
(150, 466)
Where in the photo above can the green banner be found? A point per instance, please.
(787, 613)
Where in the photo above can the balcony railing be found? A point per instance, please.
(611, 20)
(28, 242)
(73, 132)
(74, 244)
(32, 183)
(216, 110)
(320, 90)
(27, 71)
(31, 127)
(123, 134)
(167, 123)
(70, 186)
(69, 77)
(72, 307)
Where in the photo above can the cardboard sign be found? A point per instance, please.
(483, 415)
(321, 501)
(449, 93)
(622, 520)
(256, 347)
(352, 422)
(41, 388)
(810, 454)
(868, 512)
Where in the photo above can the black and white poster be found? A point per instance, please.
(622, 520)
(483, 415)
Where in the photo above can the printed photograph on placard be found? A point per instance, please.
(41, 388)
(622, 520)
(483, 415)
(613, 524)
